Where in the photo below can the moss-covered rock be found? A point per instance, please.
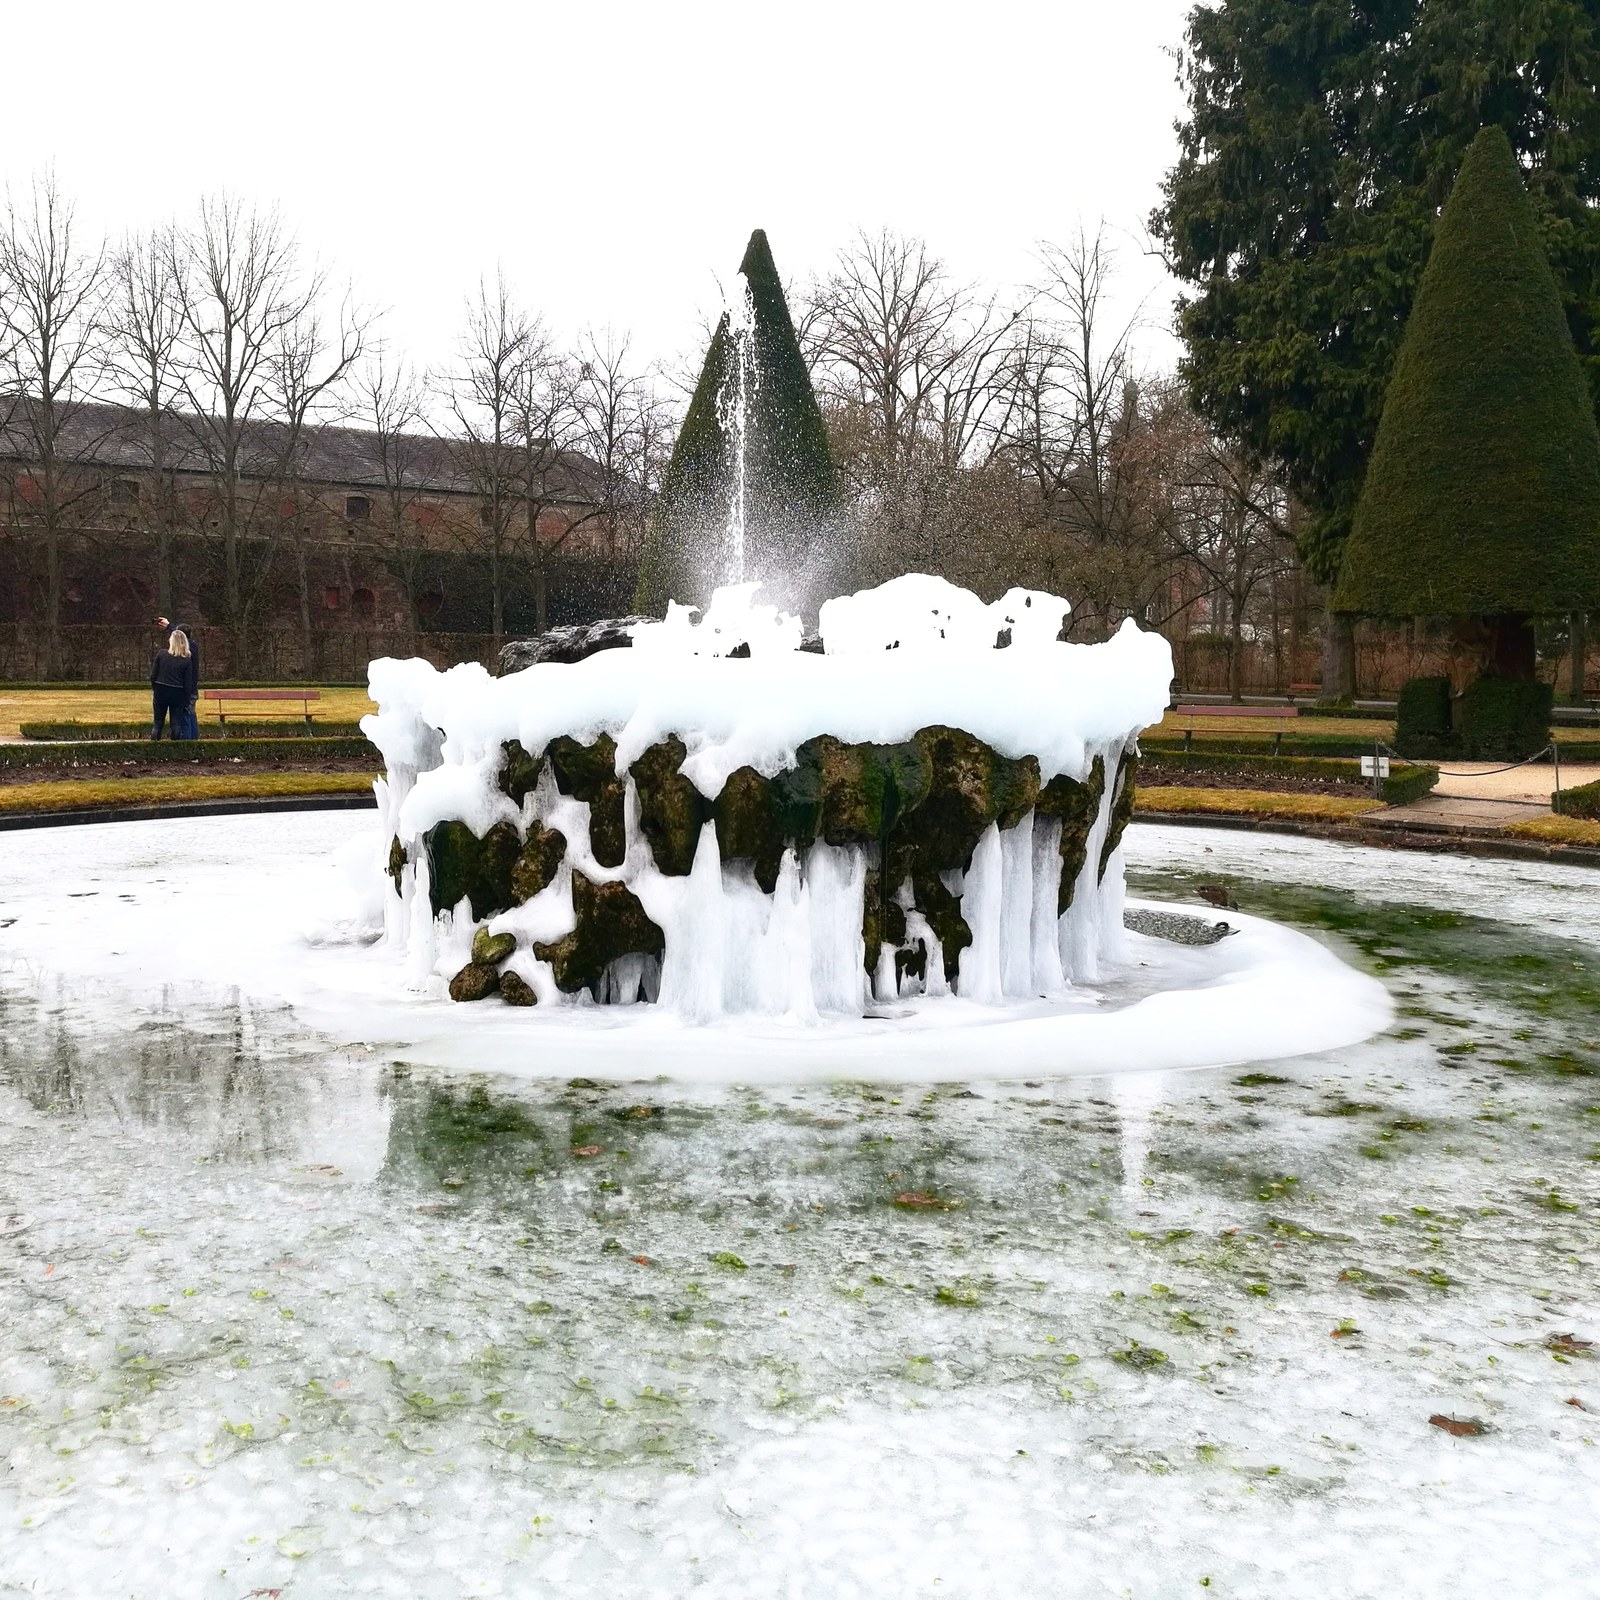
(748, 825)
(956, 788)
(460, 863)
(537, 863)
(1121, 809)
(671, 810)
(490, 949)
(516, 991)
(1076, 803)
(588, 772)
(610, 922)
(397, 862)
(519, 772)
(475, 981)
(883, 919)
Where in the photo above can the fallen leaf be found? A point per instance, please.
(1345, 1333)
(588, 1149)
(644, 1261)
(1575, 1401)
(1459, 1427)
(1568, 1344)
(916, 1199)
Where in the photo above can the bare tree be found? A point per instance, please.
(1231, 525)
(496, 346)
(1086, 452)
(547, 425)
(307, 373)
(244, 294)
(909, 363)
(52, 298)
(145, 322)
(390, 407)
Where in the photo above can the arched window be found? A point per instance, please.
(362, 603)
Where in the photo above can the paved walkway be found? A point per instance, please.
(1531, 783)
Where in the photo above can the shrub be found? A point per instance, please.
(1404, 784)
(1422, 719)
(116, 752)
(243, 728)
(1503, 719)
(1584, 801)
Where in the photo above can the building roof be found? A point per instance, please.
(112, 438)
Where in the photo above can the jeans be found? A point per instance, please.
(168, 703)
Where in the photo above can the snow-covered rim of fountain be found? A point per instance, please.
(917, 664)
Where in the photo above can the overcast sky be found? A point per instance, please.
(612, 156)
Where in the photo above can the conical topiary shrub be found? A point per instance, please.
(791, 484)
(1482, 497)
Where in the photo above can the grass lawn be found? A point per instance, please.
(1254, 803)
(1175, 722)
(133, 705)
(1558, 830)
(83, 794)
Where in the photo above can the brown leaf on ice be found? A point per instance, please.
(921, 1200)
(1459, 1427)
(1569, 1344)
(588, 1149)
(1575, 1401)
(644, 1261)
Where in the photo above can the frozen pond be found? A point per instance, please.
(282, 1315)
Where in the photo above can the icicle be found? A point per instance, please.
(885, 986)
(421, 948)
(1080, 923)
(836, 877)
(978, 975)
(786, 964)
(1048, 978)
(1016, 909)
(692, 975)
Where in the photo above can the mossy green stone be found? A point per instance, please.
(490, 949)
(397, 862)
(475, 981)
(1076, 804)
(537, 863)
(611, 922)
(1121, 809)
(671, 810)
(588, 772)
(1482, 496)
(460, 864)
(519, 772)
(748, 826)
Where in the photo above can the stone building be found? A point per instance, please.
(306, 560)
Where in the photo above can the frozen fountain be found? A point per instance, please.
(722, 822)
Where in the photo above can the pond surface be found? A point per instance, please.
(285, 1317)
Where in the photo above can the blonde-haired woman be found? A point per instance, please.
(172, 684)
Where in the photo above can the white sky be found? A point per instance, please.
(612, 156)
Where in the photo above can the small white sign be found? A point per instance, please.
(1374, 766)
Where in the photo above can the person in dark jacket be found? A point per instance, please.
(186, 725)
(172, 684)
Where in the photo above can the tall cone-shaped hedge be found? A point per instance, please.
(1482, 496)
(791, 484)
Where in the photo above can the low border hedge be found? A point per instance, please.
(1298, 744)
(114, 752)
(263, 728)
(1584, 801)
(1406, 782)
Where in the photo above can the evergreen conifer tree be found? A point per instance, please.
(1482, 497)
(791, 483)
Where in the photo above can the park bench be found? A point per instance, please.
(1304, 691)
(1184, 714)
(225, 697)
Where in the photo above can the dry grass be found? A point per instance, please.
(133, 705)
(88, 794)
(1558, 830)
(1254, 803)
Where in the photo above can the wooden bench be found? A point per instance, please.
(1304, 691)
(1269, 713)
(225, 697)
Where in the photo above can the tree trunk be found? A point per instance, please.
(1338, 657)
(1235, 656)
(541, 598)
(307, 667)
(1578, 650)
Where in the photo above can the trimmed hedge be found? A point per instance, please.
(1292, 744)
(1482, 493)
(264, 728)
(1503, 719)
(113, 752)
(1423, 725)
(1584, 801)
(1404, 784)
